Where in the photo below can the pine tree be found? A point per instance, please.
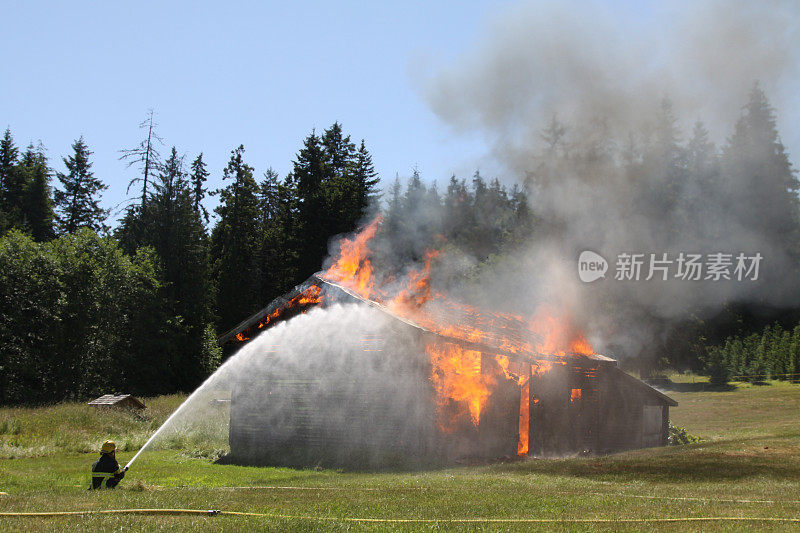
(334, 183)
(367, 180)
(175, 231)
(11, 184)
(276, 249)
(79, 202)
(197, 177)
(762, 184)
(702, 210)
(664, 165)
(523, 224)
(235, 243)
(37, 203)
(391, 228)
(793, 368)
(458, 212)
(416, 226)
(131, 230)
(553, 135)
(145, 155)
(307, 179)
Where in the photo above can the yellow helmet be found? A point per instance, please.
(108, 447)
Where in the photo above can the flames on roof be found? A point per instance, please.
(460, 334)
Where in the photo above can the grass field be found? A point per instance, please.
(748, 465)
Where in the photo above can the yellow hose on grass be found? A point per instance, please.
(214, 512)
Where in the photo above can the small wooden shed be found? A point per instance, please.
(121, 401)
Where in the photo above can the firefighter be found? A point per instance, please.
(106, 473)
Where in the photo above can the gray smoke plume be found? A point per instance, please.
(571, 98)
(582, 63)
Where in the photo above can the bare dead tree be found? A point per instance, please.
(145, 155)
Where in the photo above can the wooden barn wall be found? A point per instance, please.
(606, 415)
(622, 416)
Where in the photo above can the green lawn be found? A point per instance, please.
(748, 465)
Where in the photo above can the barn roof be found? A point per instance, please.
(497, 329)
(647, 389)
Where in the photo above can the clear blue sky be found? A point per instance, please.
(262, 74)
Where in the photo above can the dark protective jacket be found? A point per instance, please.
(106, 472)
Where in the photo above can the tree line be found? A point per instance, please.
(89, 308)
(772, 354)
(136, 308)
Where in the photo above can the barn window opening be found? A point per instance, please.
(575, 395)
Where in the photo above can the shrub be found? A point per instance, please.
(678, 435)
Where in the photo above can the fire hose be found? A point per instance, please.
(215, 512)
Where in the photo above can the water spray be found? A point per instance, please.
(168, 420)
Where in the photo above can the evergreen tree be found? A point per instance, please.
(702, 210)
(8, 160)
(459, 216)
(277, 250)
(37, 203)
(334, 183)
(664, 163)
(131, 230)
(793, 368)
(553, 135)
(417, 227)
(235, 243)
(762, 184)
(197, 177)
(307, 180)
(175, 231)
(393, 210)
(366, 178)
(11, 184)
(79, 202)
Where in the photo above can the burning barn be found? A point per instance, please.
(482, 386)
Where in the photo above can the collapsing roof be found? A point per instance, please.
(502, 334)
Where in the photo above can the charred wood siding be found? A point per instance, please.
(585, 408)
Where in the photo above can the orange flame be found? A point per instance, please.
(418, 287)
(524, 418)
(559, 335)
(541, 367)
(575, 395)
(353, 267)
(310, 296)
(456, 371)
(457, 377)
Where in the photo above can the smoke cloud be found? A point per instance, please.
(582, 63)
(595, 184)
